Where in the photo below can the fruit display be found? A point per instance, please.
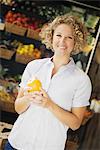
(22, 20)
(25, 49)
(19, 24)
(42, 11)
(78, 12)
(92, 21)
(9, 44)
(25, 18)
(4, 96)
(28, 51)
(34, 85)
(50, 12)
(16, 18)
(8, 90)
(90, 44)
(8, 85)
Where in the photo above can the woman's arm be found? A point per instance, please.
(72, 119)
(22, 101)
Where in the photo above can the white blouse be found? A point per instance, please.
(37, 128)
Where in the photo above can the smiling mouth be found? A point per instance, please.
(62, 48)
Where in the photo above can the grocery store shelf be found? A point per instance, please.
(81, 3)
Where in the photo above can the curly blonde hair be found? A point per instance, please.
(80, 32)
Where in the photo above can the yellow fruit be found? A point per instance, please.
(26, 47)
(20, 52)
(31, 46)
(35, 85)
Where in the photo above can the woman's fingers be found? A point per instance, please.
(40, 98)
(44, 93)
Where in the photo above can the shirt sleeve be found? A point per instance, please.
(82, 93)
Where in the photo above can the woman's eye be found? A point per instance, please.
(70, 37)
(58, 35)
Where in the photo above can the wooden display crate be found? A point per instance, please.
(7, 106)
(24, 59)
(6, 53)
(13, 28)
(4, 133)
(34, 34)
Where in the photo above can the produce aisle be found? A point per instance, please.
(20, 24)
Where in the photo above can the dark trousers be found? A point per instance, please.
(8, 146)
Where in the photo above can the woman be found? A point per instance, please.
(46, 116)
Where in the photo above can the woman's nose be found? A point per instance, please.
(62, 40)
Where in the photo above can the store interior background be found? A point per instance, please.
(18, 34)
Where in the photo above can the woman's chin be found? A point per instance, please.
(62, 54)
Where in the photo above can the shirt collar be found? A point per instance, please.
(70, 66)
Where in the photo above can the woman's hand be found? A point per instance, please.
(71, 119)
(23, 101)
(42, 99)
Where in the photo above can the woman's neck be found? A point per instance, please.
(60, 61)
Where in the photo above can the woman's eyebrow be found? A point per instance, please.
(58, 32)
(65, 35)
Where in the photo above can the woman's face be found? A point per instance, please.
(63, 40)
